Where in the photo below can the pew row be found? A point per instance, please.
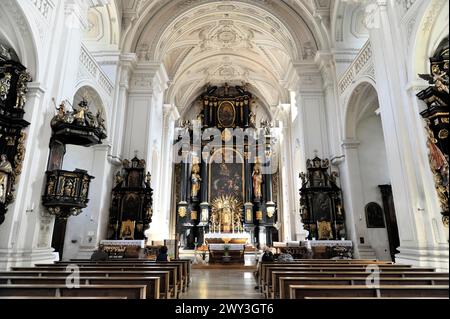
(120, 291)
(152, 284)
(167, 278)
(302, 292)
(286, 282)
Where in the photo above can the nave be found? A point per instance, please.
(297, 279)
(222, 284)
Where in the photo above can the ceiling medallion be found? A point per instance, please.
(227, 36)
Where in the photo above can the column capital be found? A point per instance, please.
(171, 112)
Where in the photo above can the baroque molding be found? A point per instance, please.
(363, 62)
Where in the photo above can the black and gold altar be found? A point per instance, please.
(14, 80)
(223, 191)
(436, 118)
(131, 209)
(321, 206)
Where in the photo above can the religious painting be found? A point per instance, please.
(133, 179)
(127, 230)
(131, 206)
(322, 206)
(227, 176)
(324, 230)
(374, 216)
(226, 114)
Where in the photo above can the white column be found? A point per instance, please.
(353, 194)
(312, 112)
(422, 235)
(160, 227)
(143, 131)
(327, 68)
(118, 119)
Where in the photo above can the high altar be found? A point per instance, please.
(223, 195)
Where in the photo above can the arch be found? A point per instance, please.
(103, 32)
(95, 100)
(428, 32)
(364, 89)
(20, 35)
(212, 42)
(296, 17)
(347, 25)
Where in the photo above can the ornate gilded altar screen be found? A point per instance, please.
(222, 189)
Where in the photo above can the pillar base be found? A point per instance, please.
(436, 257)
(26, 258)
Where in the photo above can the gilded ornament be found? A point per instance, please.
(5, 85)
(182, 212)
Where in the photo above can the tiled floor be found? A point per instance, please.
(222, 284)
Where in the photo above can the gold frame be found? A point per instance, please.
(320, 230)
(223, 149)
(130, 224)
(234, 114)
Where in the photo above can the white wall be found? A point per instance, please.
(374, 172)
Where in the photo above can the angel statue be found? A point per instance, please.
(304, 179)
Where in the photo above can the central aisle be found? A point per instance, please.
(222, 284)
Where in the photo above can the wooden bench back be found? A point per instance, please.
(266, 275)
(153, 284)
(171, 283)
(301, 292)
(276, 275)
(286, 282)
(127, 291)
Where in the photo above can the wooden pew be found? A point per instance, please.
(174, 269)
(183, 268)
(301, 292)
(286, 282)
(128, 291)
(375, 298)
(167, 278)
(152, 283)
(276, 275)
(185, 262)
(62, 298)
(343, 261)
(266, 275)
(363, 264)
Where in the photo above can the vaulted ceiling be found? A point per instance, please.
(204, 42)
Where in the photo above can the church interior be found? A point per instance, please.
(224, 149)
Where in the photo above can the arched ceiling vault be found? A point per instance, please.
(211, 42)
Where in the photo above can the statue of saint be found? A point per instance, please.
(226, 219)
(5, 174)
(51, 185)
(252, 119)
(257, 182)
(68, 187)
(195, 180)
